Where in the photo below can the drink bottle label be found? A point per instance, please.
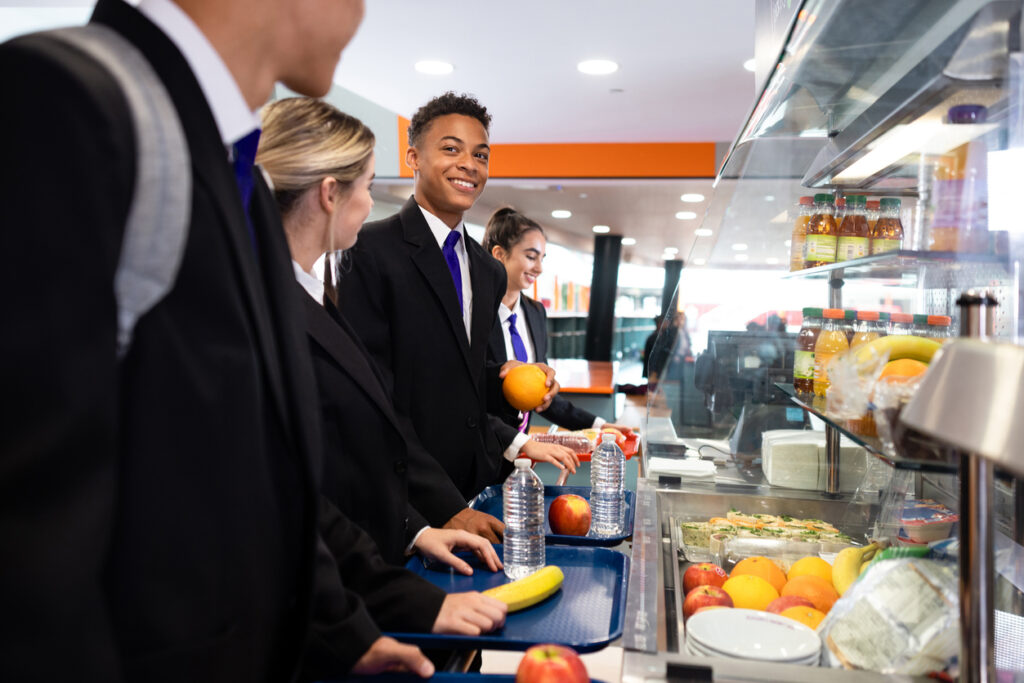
(803, 365)
(850, 248)
(820, 248)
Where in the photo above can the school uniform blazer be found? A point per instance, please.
(373, 466)
(400, 299)
(158, 514)
(561, 411)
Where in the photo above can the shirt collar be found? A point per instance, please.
(310, 283)
(230, 111)
(441, 231)
(505, 312)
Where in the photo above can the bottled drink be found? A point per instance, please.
(849, 320)
(523, 509)
(960, 217)
(884, 324)
(831, 342)
(872, 212)
(865, 329)
(854, 235)
(820, 243)
(841, 210)
(607, 496)
(939, 327)
(902, 323)
(805, 209)
(887, 234)
(920, 325)
(803, 357)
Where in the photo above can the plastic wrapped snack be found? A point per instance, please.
(575, 441)
(901, 617)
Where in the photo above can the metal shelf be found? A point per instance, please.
(930, 269)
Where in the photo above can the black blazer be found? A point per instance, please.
(157, 515)
(561, 411)
(373, 466)
(400, 299)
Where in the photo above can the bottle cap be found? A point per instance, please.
(523, 463)
(920, 319)
(812, 312)
(841, 202)
(867, 315)
(890, 203)
(850, 314)
(883, 316)
(607, 437)
(858, 200)
(902, 318)
(823, 198)
(967, 113)
(873, 204)
(939, 320)
(806, 201)
(834, 313)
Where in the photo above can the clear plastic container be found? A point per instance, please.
(523, 510)
(960, 218)
(607, 494)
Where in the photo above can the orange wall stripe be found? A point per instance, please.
(403, 144)
(604, 160)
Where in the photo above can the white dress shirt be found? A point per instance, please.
(311, 283)
(440, 232)
(504, 313)
(230, 110)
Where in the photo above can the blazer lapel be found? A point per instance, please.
(483, 296)
(538, 329)
(496, 341)
(335, 337)
(428, 259)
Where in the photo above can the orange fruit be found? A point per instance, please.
(763, 567)
(524, 387)
(750, 592)
(808, 616)
(816, 589)
(812, 565)
(903, 369)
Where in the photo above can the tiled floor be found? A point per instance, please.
(604, 665)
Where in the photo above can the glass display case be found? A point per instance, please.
(920, 104)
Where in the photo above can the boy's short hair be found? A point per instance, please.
(442, 105)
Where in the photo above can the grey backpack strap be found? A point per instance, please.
(158, 218)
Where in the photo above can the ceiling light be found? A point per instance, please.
(692, 197)
(769, 198)
(771, 261)
(601, 229)
(703, 232)
(750, 64)
(741, 257)
(628, 241)
(433, 67)
(598, 67)
(686, 215)
(671, 250)
(788, 243)
(561, 213)
(739, 246)
(698, 261)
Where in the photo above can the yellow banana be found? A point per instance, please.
(847, 565)
(529, 590)
(898, 346)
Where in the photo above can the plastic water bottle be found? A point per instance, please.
(607, 498)
(523, 509)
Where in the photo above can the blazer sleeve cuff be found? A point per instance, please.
(512, 452)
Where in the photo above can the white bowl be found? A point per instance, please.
(751, 634)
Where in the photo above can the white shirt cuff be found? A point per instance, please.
(599, 422)
(512, 452)
(411, 548)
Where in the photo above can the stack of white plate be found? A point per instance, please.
(750, 634)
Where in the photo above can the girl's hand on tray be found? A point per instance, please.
(438, 545)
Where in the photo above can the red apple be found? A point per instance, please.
(703, 574)
(703, 596)
(569, 515)
(785, 602)
(551, 664)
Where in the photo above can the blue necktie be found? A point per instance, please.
(453, 262)
(245, 158)
(519, 349)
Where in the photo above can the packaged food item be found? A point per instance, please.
(804, 211)
(960, 215)
(574, 441)
(853, 238)
(923, 521)
(820, 243)
(887, 232)
(901, 617)
(831, 342)
(803, 356)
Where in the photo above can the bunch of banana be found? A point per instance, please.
(848, 565)
(529, 590)
(897, 346)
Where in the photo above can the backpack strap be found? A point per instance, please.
(157, 226)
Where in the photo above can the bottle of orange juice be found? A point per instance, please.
(805, 209)
(831, 342)
(865, 329)
(820, 243)
(854, 234)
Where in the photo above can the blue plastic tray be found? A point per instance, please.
(489, 501)
(586, 614)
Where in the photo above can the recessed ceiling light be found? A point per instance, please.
(692, 197)
(788, 243)
(686, 215)
(598, 67)
(433, 67)
(698, 261)
(671, 250)
(601, 229)
(769, 198)
(741, 257)
(703, 232)
(739, 246)
(771, 261)
(561, 213)
(628, 241)
(750, 64)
